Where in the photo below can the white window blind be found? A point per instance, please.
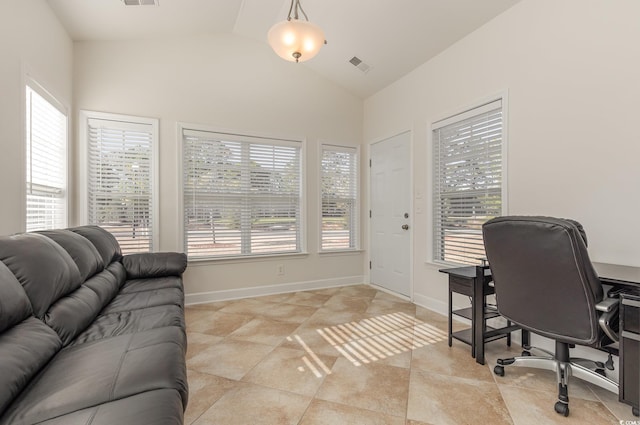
(121, 180)
(340, 212)
(242, 195)
(46, 178)
(467, 152)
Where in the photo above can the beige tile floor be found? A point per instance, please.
(355, 355)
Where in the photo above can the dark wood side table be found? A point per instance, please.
(629, 391)
(474, 282)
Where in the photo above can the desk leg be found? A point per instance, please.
(478, 319)
(450, 314)
(525, 339)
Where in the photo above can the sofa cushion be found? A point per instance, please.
(106, 283)
(74, 312)
(158, 407)
(138, 300)
(43, 268)
(156, 264)
(105, 242)
(81, 250)
(24, 350)
(14, 304)
(86, 375)
(127, 322)
(26, 344)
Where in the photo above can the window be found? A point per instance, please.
(468, 163)
(46, 145)
(242, 195)
(121, 177)
(340, 210)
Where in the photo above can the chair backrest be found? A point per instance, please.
(543, 277)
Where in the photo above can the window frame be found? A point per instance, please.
(354, 228)
(33, 84)
(84, 117)
(180, 128)
(450, 117)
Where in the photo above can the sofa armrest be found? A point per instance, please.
(154, 264)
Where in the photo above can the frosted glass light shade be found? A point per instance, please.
(295, 40)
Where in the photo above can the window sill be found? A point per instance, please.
(441, 264)
(340, 252)
(249, 259)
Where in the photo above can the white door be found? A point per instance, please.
(390, 214)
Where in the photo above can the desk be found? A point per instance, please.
(474, 282)
(629, 371)
(629, 391)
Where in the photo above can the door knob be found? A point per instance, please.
(405, 227)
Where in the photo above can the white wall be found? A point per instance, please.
(571, 70)
(234, 83)
(32, 42)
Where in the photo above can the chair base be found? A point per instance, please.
(564, 368)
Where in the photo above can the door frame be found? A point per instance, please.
(411, 210)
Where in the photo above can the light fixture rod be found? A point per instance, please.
(299, 6)
(290, 9)
(295, 7)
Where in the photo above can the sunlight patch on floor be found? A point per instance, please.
(379, 337)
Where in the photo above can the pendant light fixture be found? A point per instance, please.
(294, 39)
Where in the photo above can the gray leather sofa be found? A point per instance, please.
(88, 336)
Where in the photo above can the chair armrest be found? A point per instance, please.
(154, 264)
(608, 320)
(607, 304)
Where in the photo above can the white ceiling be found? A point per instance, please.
(392, 36)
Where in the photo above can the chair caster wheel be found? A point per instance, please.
(562, 408)
(498, 370)
(635, 411)
(526, 354)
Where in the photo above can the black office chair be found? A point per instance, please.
(544, 282)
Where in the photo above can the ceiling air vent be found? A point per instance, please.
(357, 62)
(140, 2)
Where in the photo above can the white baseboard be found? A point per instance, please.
(258, 291)
(436, 305)
(431, 304)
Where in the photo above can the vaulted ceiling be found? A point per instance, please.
(391, 36)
